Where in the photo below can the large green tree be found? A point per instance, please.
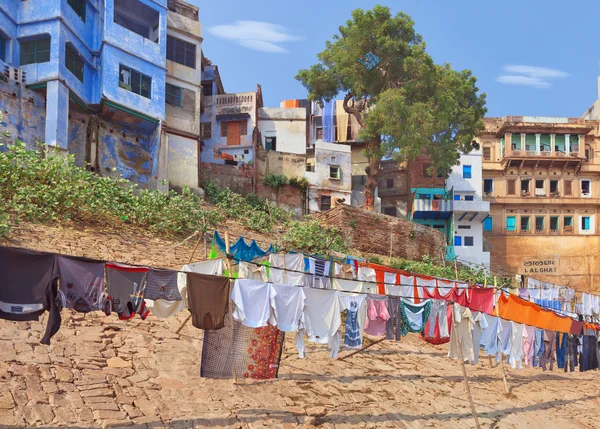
(406, 105)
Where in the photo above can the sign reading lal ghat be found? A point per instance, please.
(540, 266)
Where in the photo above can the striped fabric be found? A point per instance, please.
(162, 284)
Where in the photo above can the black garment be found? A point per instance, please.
(125, 285)
(571, 353)
(395, 320)
(28, 287)
(589, 356)
(81, 282)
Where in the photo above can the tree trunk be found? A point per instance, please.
(372, 170)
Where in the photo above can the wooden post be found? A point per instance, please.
(187, 319)
(504, 376)
(455, 269)
(362, 349)
(464, 370)
(228, 264)
(391, 244)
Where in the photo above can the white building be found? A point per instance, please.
(283, 129)
(329, 173)
(469, 210)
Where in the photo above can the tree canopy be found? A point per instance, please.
(406, 105)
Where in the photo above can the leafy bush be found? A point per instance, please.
(301, 183)
(254, 212)
(313, 237)
(275, 181)
(42, 187)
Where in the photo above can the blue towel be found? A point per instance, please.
(242, 251)
(328, 126)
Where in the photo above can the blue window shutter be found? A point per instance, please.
(511, 223)
(457, 240)
(586, 223)
(466, 171)
(488, 224)
(457, 198)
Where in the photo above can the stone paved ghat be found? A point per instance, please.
(101, 372)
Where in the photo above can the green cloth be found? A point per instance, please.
(406, 327)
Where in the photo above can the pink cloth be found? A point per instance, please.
(377, 316)
(528, 348)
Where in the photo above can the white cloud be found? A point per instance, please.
(536, 77)
(523, 80)
(260, 45)
(257, 35)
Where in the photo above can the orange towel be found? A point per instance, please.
(518, 310)
(288, 104)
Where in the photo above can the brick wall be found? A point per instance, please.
(369, 232)
(239, 179)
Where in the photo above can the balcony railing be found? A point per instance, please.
(432, 206)
(229, 99)
(517, 153)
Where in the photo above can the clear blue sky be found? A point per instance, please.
(555, 44)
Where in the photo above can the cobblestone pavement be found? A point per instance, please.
(101, 372)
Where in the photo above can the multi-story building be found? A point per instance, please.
(469, 210)
(228, 121)
(101, 69)
(183, 93)
(542, 179)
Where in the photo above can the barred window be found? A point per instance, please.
(74, 63)
(181, 52)
(134, 81)
(35, 51)
(206, 130)
(79, 7)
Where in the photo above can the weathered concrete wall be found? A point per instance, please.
(183, 161)
(133, 154)
(239, 179)
(78, 125)
(24, 113)
(286, 164)
(183, 26)
(572, 261)
(328, 155)
(288, 125)
(370, 233)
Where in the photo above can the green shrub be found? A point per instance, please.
(313, 237)
(275, 181)
(39, 186)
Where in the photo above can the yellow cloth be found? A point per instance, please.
(342, 121)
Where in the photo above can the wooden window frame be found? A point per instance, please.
(188, 49)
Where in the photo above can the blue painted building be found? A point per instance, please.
(101, 65)
(433, 207)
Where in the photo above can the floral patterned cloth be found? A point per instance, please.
(246, 352)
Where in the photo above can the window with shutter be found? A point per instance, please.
(511, 223)
(488, 224)
(487, 153)
(511, 187)
(206, 130)
(568, 185)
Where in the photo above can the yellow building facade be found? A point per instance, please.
(542, 178)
